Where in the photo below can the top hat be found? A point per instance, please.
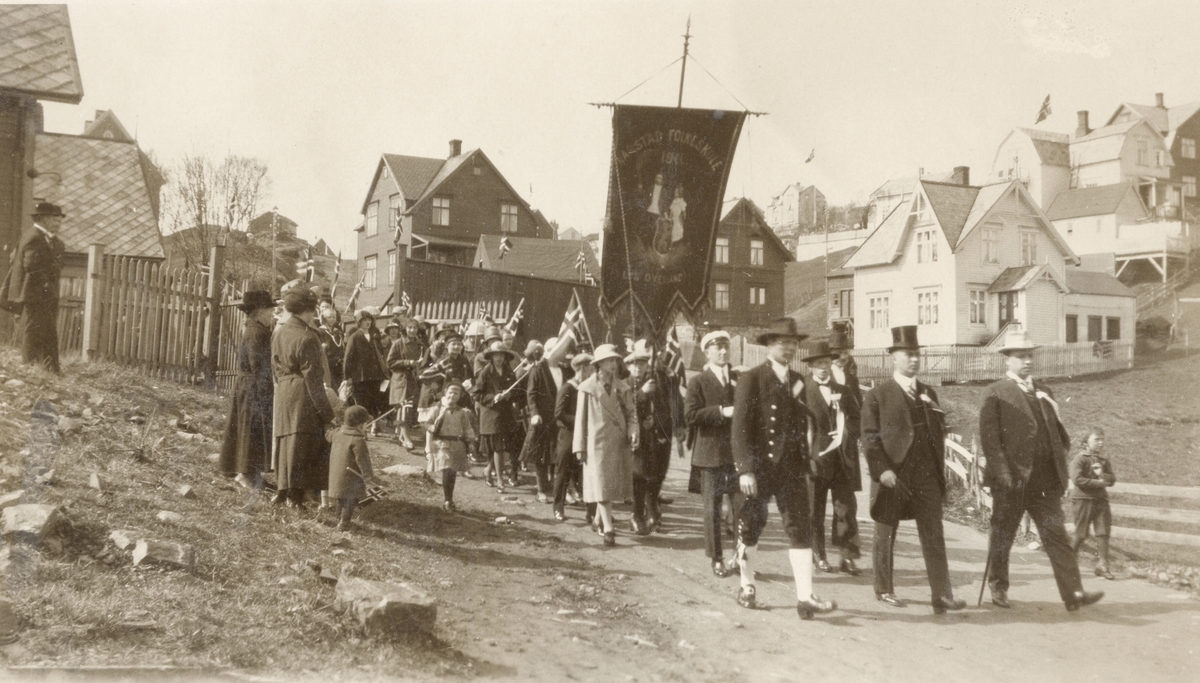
(498, 347)
(782, 327)
(819, 350)
(904, 337)
(840, 341)
(604, 352)
(491, 332)
(47, 209)
(713, 337)
(256, 299)
(1017, 340)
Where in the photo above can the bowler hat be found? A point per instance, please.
(818, 350)
(1017, 340)
(904, 337)
(782, 327)
(47, 209)
(256, 299)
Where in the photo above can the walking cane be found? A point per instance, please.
(987, 568)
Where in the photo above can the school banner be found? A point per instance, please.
(666, 186)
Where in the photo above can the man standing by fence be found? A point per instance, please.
(31, 288)
(1025, 446)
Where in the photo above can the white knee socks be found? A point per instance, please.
(743, 558)
(802, 569)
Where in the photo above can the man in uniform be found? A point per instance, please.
(708, 411)
(770, 451)
(836, 421)
(652, 395)
(1025, 449)
(31, 288)
(903, 429)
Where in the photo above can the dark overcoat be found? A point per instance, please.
(496, 415)
(887, 436)
(246, 447)
(31, 289)
(403, 358)
(708, 429)
(349, 463)
(844, 458)
(302, 409)
(1008, 434)
(363, 361)
(564, 416)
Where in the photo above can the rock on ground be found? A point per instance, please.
(29, 523)
(10, 499)
(164, 552)
(386, 609)
(404, 470)
(123, 538)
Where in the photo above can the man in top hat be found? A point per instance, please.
(903, 429)
(770, 451)
(1025, 446)
(31, 288)
(708, 411)
(836, 421)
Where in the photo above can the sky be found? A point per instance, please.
(877, 90)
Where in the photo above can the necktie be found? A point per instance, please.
(911, 390)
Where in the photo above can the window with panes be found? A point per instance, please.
(722, 255)
(927, 308)
(391, 266)
(441, 211)
(1187, 147)
(978, 304)
(508, 218)
(758, 296)
(878, 304)
(756, 252)
(991, 245)
(721, 296)
(926, 247)
(370, 266)
(372, 223)
(1028, 248)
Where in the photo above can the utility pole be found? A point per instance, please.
(687, 35)
(274, 266)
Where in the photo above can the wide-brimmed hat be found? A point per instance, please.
(498, 347)
(904, 337)
(782, 327)
(840, 341)
(47, 209)
(299, 300)
(1017, 340)
(363, 314)
(712, 337)
(817, 351)
(256, 299)
(604, 352)
(641, 351)
(491, 332)
(580, 360)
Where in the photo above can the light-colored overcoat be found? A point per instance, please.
(605, 426)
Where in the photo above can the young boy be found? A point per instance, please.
(1092, 474)
(452, 437)
(349, 464)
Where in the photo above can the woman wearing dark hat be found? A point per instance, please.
(31, 287)
(302, 410)
(364, 367)
(495, 390)
(404, 357)
(246, 448)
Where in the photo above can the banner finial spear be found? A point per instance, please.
(687, 36)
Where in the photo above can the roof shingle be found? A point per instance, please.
(37, 53)
(1095, 282)
(554, 259)
(412, 174)
(952, 204)
(100, 186)
(1088, 201)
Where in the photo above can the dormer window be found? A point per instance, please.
(920, 208)
(386, 173)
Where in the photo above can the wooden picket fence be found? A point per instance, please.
(167, 322)
(963, 464)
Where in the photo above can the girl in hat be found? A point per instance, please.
(453, 437)
(495, 389)
(363, 365)
(406, 355)
(246, 448)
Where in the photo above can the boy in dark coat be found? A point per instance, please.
(349, 464)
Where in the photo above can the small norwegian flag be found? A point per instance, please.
(405, 301)
(672, 355)
(581, 261)
(506, 246)
(1044, 112)
(305, 267)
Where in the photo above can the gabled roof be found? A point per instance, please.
(1020, 277)
(1111, 129)
(106, 126)
(1153, 115)
(1053, 148)
(1089, 201)
(883, 245)
(1177, 116)
(951, 204)
(745, 205)
(554, 259)
(37, 53)
(412, 174)
(447, 169)
(102, 191)
(1095, 282)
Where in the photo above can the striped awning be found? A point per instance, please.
(457, 311)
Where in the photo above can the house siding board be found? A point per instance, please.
(1042, 311)
(1187, 167)
(1084, 305)
(377, 245)
(740, 225)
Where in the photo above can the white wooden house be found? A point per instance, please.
(963, 262)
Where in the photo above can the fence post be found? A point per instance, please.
(212, 325)
(91, 304)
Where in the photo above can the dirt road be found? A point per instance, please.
(650, 609)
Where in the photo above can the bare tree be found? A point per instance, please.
(207, 202)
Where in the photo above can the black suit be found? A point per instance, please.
(837, 471)
(1026, 445)
(31, 289)
(905, 436)
(540, 440)
(652, 457)
(712, 450)
(770, 440)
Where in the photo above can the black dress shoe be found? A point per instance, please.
(664, 500)
(638, 527)
(279, 498)
(610, 539)
(1081, 598)
(1000, 598)
(814, 605)
(746, 597)
(719, 569)
(848, 567)
(560, 516)
(952, 604)
(890, 599)
(824, 566)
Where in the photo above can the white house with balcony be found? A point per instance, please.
(964, 262)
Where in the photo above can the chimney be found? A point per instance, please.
(1158, 100)
(1082, 129)
(962, 175)
(455, 148)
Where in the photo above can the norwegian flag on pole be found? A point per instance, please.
(506, 246)
(515, 318)
(672, 356)
(305, 268)
(405, 301)
(354, 294)
(1044, 112)
(337, 274)
(574, 326)
(581, 261)
(482, 314)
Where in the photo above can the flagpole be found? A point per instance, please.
(687, 35)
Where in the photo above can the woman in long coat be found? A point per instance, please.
(363, 365)
(302, 410)
(499, 435)
(403, 359)
(606, 432)
(246, 448)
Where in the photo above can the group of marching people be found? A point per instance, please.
(598, 428)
